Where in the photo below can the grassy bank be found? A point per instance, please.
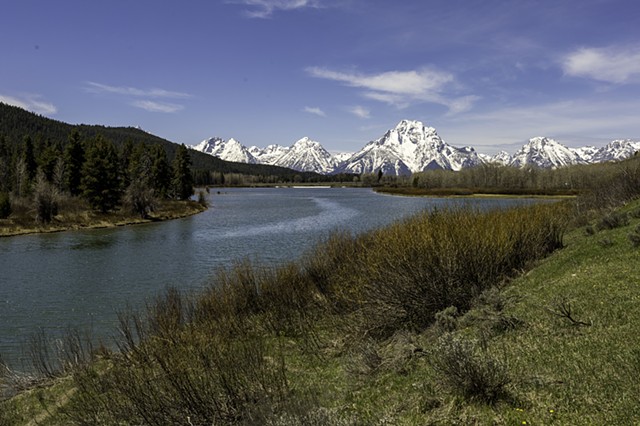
(473, 192)
(76, 214)
(451, 317)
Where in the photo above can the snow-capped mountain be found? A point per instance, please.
(304, 155)
(408, 148)
(616, 150)
(413, 147)
(546, 153)
(270, 154)
(230, 150)
(307, 155)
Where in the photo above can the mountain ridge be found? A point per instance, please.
(412, 147)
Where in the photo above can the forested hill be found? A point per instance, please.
(17, 123)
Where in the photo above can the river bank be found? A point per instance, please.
(75, 219)
(473, 192)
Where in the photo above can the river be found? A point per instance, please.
(81, 279)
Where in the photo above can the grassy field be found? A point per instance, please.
(456, 317)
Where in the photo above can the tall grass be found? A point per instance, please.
(222, 357)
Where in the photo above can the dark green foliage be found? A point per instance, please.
(160, 171)
(29, 158)
(100, 177)
(48, 159)
(5, 205)
(469, 371)
(5, 166)
(182, 179)
(74, 160)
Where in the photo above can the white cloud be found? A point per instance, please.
(401, 88)
(315, 110)
(611, 64)
(265, 8)
(132, 91)
(360, 111)
(32, 103)
(153, 106)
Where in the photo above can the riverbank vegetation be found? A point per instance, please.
(90, 183)
(524, 316)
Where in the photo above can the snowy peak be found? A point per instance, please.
(408, 148)
(616, 150)
(546, 153)
(230, 150)
(307, 155)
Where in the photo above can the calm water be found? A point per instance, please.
(83, 278)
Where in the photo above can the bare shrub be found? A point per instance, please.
(469, 371)
(46, 197)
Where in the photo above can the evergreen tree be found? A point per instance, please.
(100, 175)
(29, 158)
(74, 157)
(182, 179)
(160, 171)
(48, 159)
(5, 166)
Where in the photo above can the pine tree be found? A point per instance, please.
(100, 175)
(74, 159)
(29, 158)
(160, 171)
(182, 179)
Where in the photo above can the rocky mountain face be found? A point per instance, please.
(408, 148)
(413, 147)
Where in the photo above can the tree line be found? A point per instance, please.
(133, 176)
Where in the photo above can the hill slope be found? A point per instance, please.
(16, 122)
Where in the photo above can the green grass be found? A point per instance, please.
(308, 343)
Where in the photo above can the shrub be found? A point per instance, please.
(140, 199)
(46, 197)
(5, 205)
(634, 237)
(447, 319)
(443, 259)
(466, 370)
(613, 220)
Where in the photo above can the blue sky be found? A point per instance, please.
(486, 73)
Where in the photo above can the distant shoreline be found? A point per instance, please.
(92, 220)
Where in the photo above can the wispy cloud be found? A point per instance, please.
(360, 111)
(33, 103)
(153, 106)
(575, 123)
(609, 64)
(93, 87)
(315, 110)
(266, 8)
(401, 88)
(132, 94)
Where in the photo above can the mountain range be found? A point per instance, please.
(412, 147)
